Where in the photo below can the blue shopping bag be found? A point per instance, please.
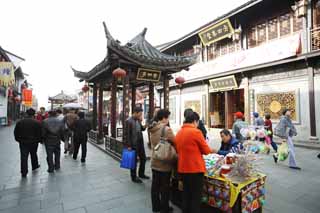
(128, 160)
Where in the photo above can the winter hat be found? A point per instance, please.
(239, 115)
(255, 114)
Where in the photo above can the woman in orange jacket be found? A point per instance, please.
(191, 145)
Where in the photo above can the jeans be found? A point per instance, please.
(160, 191)
(142, 161)
(25, 149)
(292, 157)
(53, 150)
(192, 191)
(274, 145)
(83, 144)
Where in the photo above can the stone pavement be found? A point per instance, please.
(101, 186)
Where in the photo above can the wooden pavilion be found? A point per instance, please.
(61, 99)
(144, 65)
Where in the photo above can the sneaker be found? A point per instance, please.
(275, 158)
(83, 160)
(74, 158)
(37, 167)
(295, 167)
(137, 180)
(144, 177)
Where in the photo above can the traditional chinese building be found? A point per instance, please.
(12, 82)
(60, 99)
(262, 56)
(124, 69)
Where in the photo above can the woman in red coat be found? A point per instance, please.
(191, 145)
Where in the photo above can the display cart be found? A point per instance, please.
(223, 195)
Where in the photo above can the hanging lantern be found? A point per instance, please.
(119, 73)
(17, 99)
(85, 88)
(180, 80)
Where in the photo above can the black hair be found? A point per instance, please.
(163, 113)
(42, 108)
(81, 114)
(197, 117)
(137, 109)
(191, 117)
(59, 111)
(187, 112)
(31, 112)
(225, 132)
(268, 116)
(52, 113)
(285, 111)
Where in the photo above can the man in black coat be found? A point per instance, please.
(80, 136)
(52, 133)
(134, 140)
(28, 133)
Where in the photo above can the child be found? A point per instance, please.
(268, 126)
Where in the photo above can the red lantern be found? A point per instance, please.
(119, 73)
(85, 88)
(180, 80)
(17, 99)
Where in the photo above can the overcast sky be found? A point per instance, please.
(54, 35)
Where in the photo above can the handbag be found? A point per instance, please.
(281, 131)
(164, 151)
(128, 160)
(283, 151)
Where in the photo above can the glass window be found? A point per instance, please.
(273, 29)
(285, 25)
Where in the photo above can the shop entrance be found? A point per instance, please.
(222, 107)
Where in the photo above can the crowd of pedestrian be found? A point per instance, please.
(49, 129)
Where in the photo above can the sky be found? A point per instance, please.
(53, 35)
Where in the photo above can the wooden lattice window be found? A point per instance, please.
(252, 40)
(224, 49)
(262, 33)
(297, 23)
(285, 24)
(273, 28)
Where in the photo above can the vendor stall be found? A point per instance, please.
(231, 184)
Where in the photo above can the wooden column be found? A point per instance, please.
(114, 107)
(166, 91)
(94, 106)
(100, 112)
(151, 100)
(312, 109)
(126, 107)
(133, 97)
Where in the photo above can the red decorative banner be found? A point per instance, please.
(27, 97)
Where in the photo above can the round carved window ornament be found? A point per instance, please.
(275, 106)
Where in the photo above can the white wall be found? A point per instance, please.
(301, 86)
(317, 102)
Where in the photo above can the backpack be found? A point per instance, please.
(164, 151)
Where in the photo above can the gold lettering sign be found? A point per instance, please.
(216, 32)
(223, 84)
(148, 75)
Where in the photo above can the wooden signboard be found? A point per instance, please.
(148, 75)
(216, 32)
(223, 84)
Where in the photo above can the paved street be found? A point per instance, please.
(101, 186)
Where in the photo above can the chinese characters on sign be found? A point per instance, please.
(223, 84)
(216, 32)
(6, 74)
(148, 75)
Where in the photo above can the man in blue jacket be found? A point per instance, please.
(228, 143)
